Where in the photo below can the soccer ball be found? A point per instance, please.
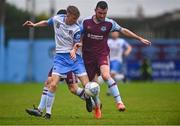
(92, 89)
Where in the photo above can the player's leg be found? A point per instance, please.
(72, 81)
(92, 70)
(103, 62)
(114, 70)
(89, 101)
(39, 111)
(112, 85)
(51, 95)
(97, 103)
(42, 103)
(60, 67)
(84, 79)
(80, 71)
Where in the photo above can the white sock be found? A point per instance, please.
(96, 100)
(42, 103)
(49, 102)
(114, 90)
(93, 103)
(81, 93)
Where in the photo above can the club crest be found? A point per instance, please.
(103, 28)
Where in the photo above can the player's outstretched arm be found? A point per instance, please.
(38, 24)
(129, 33)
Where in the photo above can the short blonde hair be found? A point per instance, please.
(73, 10)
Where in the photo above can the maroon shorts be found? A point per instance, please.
(71, 77)
(93, 63)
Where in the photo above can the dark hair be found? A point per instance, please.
(62, 11)
(73, 10)
(102, 5)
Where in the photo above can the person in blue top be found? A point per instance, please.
(68, 57)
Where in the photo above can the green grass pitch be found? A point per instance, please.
(152, 103)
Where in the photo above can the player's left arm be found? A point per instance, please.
(131, 34)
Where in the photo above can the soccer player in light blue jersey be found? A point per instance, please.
(68, 57)
(119, 49)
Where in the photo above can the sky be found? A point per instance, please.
(117, 8)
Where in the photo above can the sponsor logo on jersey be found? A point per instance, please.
(96, 37)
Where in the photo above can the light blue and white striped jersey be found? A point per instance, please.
(65, 35)
(117, 48)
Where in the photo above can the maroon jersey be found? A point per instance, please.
(95, 48)
(96, 36)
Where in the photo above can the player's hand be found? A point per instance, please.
(145, 41)
(28, 24)
(78, 45)
(73, 54)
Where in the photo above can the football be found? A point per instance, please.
(92, 89)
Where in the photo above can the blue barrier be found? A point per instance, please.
(161, 70)
(17, 61)
(42, 59)
(2, 53)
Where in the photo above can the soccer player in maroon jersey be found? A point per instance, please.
(95, 30)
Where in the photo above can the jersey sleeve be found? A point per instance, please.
(77, 36)
(50, 21)
(115, 25)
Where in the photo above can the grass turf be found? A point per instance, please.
(150, 103)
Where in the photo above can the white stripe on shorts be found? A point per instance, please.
(82, 74)
(62, 76)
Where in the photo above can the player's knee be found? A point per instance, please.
(53, 87)
(105, 76)
(47, 83)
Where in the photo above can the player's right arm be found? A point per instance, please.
(77, 44)
(74, 50)
(131, 34)
(128, 33)
(42, 23)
